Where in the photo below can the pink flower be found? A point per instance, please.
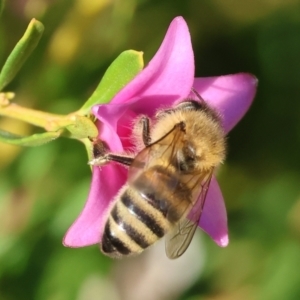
(168, 78)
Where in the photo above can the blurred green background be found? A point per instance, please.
(43, 189)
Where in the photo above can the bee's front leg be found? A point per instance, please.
(110, 157)
(103, 157)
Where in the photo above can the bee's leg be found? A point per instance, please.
(102, 157)
(118, 158)
(110, 157)
(146, 131)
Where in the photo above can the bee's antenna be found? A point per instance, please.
(197, 94)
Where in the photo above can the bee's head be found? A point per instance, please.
(201, 154)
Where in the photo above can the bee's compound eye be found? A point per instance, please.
(189, 152)
(186, 158)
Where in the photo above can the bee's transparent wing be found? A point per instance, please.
(180, 237)
(157, 153)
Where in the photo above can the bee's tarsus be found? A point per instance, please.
(109, 157)
(118, 158)
(98, 161)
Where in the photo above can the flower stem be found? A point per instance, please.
(48, 121)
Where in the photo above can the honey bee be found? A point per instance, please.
(167, 180)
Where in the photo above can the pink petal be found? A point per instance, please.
(214, 218)
(231, 95)
(115, 129)
(108, 133)
(167, 78)
(173, 63)
(88, 228)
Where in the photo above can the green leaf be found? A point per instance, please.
(29, 141)
(21, 52)
(81, 127)
(123, 69)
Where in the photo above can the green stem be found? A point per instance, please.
(48, 121)
(74, 125)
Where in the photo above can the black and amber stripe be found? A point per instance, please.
(133, 225)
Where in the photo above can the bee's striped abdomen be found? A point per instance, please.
(132, 226)
(141, 214)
